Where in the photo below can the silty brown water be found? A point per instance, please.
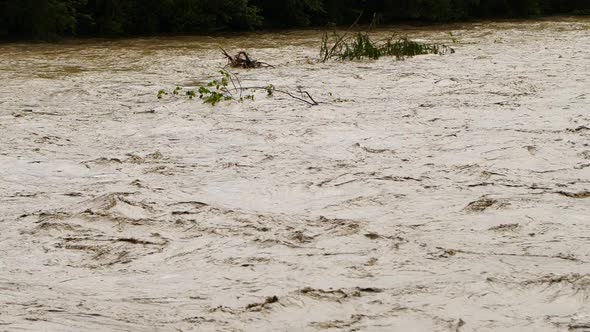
(440, 193)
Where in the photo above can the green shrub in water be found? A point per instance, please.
(361, 46)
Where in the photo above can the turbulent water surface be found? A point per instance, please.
(439, 193)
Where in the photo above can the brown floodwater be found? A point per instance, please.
(440, 193)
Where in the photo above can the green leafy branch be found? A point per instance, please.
(229, 88)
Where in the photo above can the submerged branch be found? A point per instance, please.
(220, 90)
(243, 60)
(310, 102)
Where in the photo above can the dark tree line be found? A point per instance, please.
(45, 19)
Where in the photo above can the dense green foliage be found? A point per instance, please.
(51, 18)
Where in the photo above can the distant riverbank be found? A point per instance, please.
(52, 20)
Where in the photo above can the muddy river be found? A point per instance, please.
(439, 193)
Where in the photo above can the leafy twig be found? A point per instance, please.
(219, 90)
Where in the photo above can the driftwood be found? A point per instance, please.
(243, 60)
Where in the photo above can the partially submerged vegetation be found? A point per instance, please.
(229, 88)
(243, 60)
(341, 46)
(361, 46)
(212, 93)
